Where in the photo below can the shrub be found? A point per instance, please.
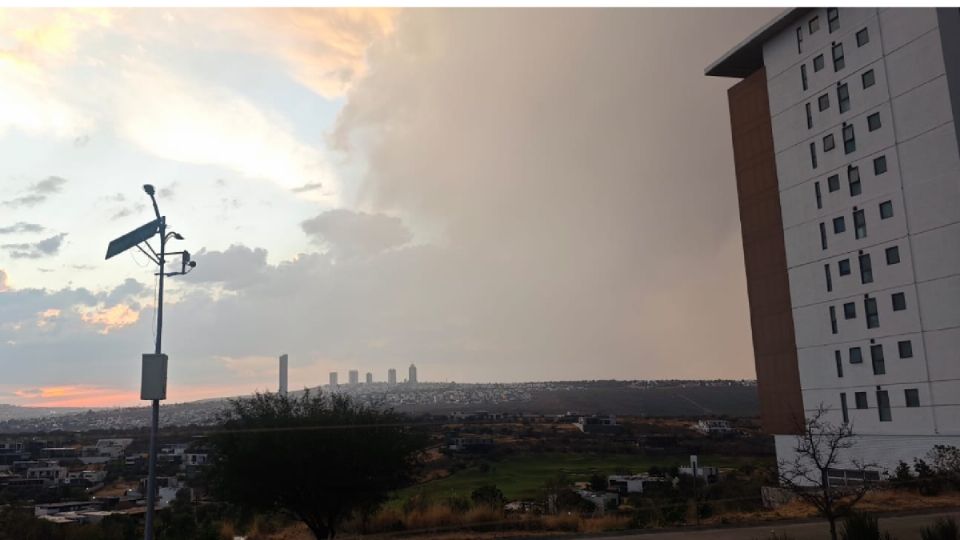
(942, 529)
(862, 526)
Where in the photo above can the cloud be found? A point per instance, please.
(76, 396)
(236, 267)
(35, 250)
(22, 227)
(111, 318)
(307, 187)
(348, 233)
(3, 282)
(38, 192)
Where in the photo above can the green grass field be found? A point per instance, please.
(523, 476)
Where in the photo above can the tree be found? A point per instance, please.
(321, 457)
(488, 495)
(819, 448)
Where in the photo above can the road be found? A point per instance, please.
(902, 527)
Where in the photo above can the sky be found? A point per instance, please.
(494, 195)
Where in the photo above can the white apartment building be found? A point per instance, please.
(845, 133)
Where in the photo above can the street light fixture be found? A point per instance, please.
(153, 384)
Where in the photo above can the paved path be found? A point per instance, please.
(900, 527)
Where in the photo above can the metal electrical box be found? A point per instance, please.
(153, 381)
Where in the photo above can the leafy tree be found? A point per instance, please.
(488, 495)
(818, 449)
(321, 457)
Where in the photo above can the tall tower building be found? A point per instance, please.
(333, 379)
(282, 388)
(391, 376)
(369, 378)
(412, 379)
(845, 142)
(354, 377)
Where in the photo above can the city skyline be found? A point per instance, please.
(547, 224)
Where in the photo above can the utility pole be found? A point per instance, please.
(153, 383)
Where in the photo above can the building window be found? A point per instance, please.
(863, 37)
(868, 79)
(866, 269)
(833, 320)
(823, 236)
(883, 405)
(873, 122)
(849, 311)
(833, 19)
(826, 271)
(843, 98)
(809, 116)
(853, 178)
(839, 360)
(849, 139)
(905, 348)
(899, 301)
(839, 225)
(893, 255)
(816, 192)
(803, 75)
(886, 210)
(813, 155)
(828, 143)
(799, 40)
(876, 357)
(880, 165)
(860, 400)
(823, 102)
(856, 355)
(859, 224)
(817, 63)
(814, 25)
(843, 408)
(833, 182)
(912, 397)
(844, 267)
(870, 307)
(837, 52)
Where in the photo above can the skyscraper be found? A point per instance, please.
(845, 129)
(412, 379)
(282, 388)
(391, 376)
(333, 379)
(369, 378)
(354, 377)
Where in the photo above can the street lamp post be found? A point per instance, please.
(153, 384)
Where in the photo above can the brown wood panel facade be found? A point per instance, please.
(764, 254)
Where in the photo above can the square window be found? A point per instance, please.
(856, 355)
(824, 102)
(833, 182)
(893, 255)
(844, 267)
(873, 121)
(880, 165)
(905, 348)
(912, 397)
(849, 310)
(833, 19)
(843, 98)
(814, 25)
(839, 225)
(817, 63)
(853, 178)
(886, 210)
(899, 301)
(849, 139)
(863, 37)
(860, 398)
(868, 79)
(828, 143)
(837, 53)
